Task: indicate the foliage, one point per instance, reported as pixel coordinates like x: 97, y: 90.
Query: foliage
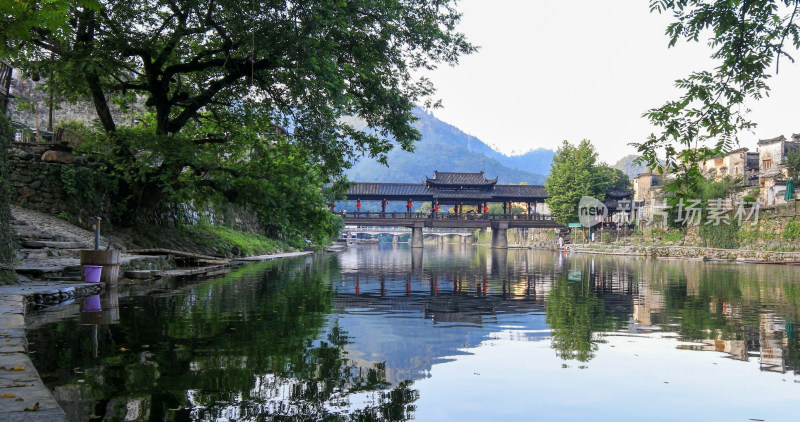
x: 752, y: 195
x: 575, y: 314
x: 87, y: 186
x: 747, y: 38
x: 259, y: 336
x: 630, y: 165
x: 680, y: 195
x: 670, y: 235
x: 307, y: 64
x: 617, y: 178
x: 270, y: 174
x: 246, y: 105
x: 575, y: 173
x: 792, y: 230
x: 6, y: 236
x: 246, y: 244
x: 722, y: 233
x: 793, y: 164
x: 25, y: 21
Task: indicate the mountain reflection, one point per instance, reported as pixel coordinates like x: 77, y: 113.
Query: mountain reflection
x: 350, y: 336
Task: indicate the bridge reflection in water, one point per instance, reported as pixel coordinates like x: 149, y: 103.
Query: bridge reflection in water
x: 321, y: 336
x: 450, y: 299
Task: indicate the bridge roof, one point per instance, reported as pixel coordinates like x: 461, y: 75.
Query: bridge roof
x: 519, y: 192
x: 441, y: 178
x: 394, y: 191
x: 419, y: 192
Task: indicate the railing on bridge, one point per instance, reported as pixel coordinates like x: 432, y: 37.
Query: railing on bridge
x: 351, y: 215
x: 405, y: 230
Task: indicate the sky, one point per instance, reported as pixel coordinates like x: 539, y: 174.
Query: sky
x: 548, y: 71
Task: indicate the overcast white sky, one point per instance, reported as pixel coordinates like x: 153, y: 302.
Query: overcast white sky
x: 554, y: 70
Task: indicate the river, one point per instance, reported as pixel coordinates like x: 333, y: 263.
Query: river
x: 447, y: 333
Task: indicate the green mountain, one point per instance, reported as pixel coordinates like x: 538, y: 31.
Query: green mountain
x: 446, y: 148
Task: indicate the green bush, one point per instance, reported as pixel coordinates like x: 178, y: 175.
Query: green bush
x: 792, y: 230
x: 722, y: 235
x: 88, y: 187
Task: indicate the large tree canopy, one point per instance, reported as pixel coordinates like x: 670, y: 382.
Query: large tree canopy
x: 251, y: 100
x: 748, y: 38
x: 310, y: 63
x: 575, y: 173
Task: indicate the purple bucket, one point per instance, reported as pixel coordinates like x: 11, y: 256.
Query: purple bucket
x: 91, y: 273
x: 92, y: 304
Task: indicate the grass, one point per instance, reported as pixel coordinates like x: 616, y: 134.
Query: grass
x: 205, y: 239
x: 246, y: 243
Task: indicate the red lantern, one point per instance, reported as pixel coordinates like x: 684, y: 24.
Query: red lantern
x: 436, y: 208
x: 486, y: 209
x: 410, y: 204
x: 510, y: 205
x: 358, y: 204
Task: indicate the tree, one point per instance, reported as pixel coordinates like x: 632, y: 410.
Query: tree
x: 575, y: 173
x: 242, y: 104
x: 617, y: 179
x: 747, y: 38
x: 793, y: 164
x: 308, y: 63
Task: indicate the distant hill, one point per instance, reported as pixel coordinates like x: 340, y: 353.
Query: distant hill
x: 444, y: 147
x: 627, y: 165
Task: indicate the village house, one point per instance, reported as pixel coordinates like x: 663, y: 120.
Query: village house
x: 646, y: 187
x: 739, y: 163
x: 773, y: 172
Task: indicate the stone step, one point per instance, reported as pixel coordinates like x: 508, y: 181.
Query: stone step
x: 39, y: 244
x: 77, y: 278
x: 47, y: 253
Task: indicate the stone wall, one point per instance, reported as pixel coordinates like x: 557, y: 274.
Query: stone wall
x: 6, y: 237
x: 545, y: 238
x: 49, y: 179
x: 30, y: 106
x: 228, y: 215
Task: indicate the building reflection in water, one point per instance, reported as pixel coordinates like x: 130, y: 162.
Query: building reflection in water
x: 304, y: 336
x: 577, y: 299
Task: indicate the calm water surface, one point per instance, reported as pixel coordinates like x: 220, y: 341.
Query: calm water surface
x: 445, y: 333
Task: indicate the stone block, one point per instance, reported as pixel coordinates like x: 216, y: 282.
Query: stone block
x: 58, y: 157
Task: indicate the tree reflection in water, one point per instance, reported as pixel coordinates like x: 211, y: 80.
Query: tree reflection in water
x: 192, y: 354
x: 338, y: 337
x: 576, y: 316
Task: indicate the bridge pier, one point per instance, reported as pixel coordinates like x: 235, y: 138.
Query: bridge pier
x: 416, y: 235
x: 500, y: 235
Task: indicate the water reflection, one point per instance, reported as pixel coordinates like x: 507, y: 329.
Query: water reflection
x: 362, y: 335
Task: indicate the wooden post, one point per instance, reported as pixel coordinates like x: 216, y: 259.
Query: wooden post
x: 108, y: 259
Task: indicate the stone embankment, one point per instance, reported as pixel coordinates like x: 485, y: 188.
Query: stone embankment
x: 690, y: 252
x: 23, y: 395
